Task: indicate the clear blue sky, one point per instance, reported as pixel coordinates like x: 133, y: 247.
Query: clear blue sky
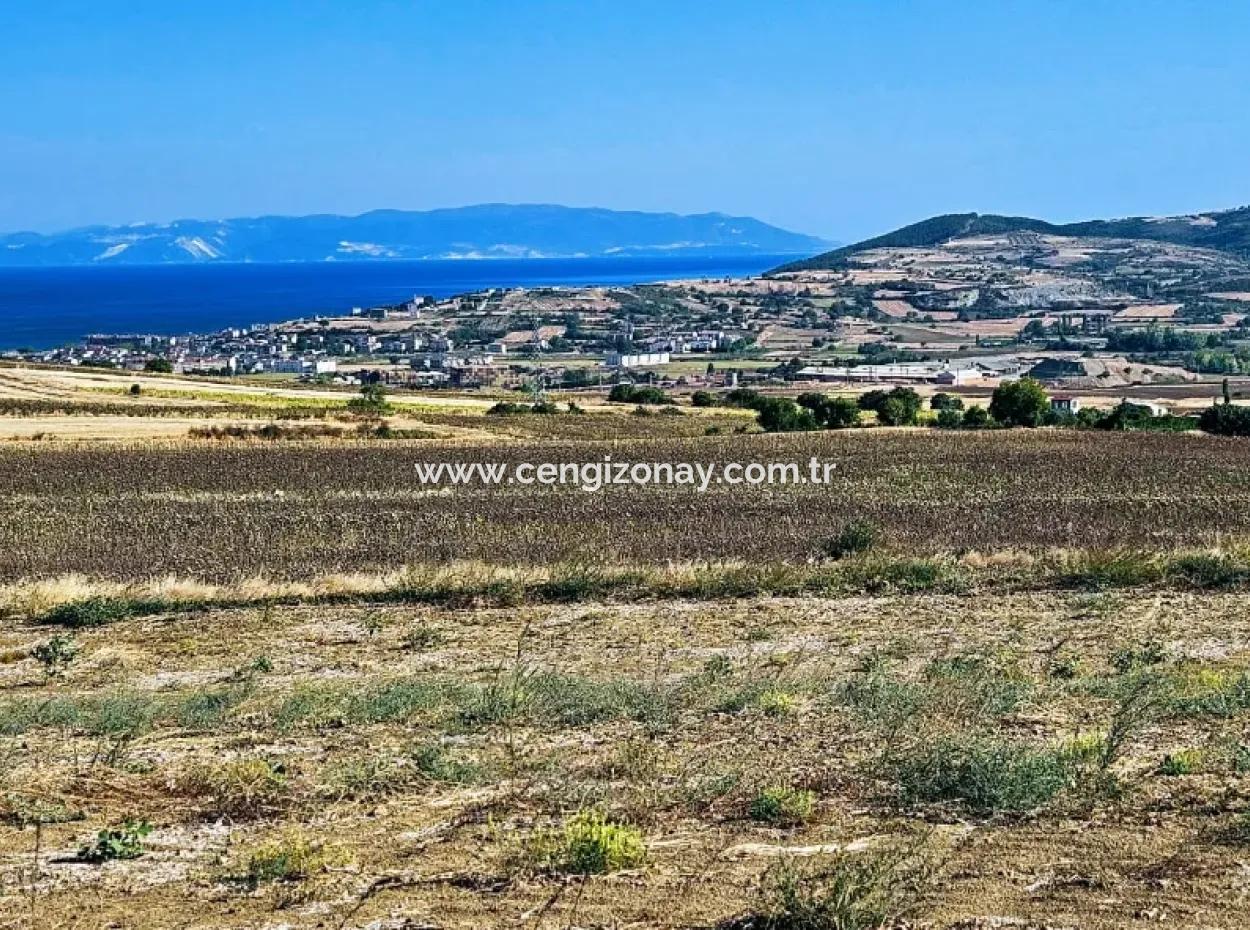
x: 836, y: 118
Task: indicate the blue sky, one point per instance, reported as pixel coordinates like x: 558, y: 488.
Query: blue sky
x: 837, y: 118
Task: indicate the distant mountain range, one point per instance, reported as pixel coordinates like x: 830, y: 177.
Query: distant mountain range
x: 1226, y: 230
x: 486, y: 231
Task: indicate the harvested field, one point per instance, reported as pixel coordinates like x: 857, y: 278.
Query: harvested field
x: 224, y: 510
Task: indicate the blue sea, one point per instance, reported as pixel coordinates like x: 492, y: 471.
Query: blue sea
x: 47, y: 307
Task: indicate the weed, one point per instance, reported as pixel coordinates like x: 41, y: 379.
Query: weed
x: 242, y: 788
x: 856, y: 537
x: 55, y: 655
x: 1182, y: 762
x: 782, y: 806
x: 123, y: 842
x: 588, y: 844
x: 423, y: 637
x: 983, y: 775
x: 291, y: 857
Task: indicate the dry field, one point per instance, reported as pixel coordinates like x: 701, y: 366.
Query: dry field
x: 222, y: 510
x: 1039, y: 759
x: 978, y: 680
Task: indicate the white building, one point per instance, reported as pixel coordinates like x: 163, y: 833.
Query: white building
x: 636, y: 360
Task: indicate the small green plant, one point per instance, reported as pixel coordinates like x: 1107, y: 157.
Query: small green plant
x: 1182, y: 762
x: 424, y: 637
x: 589, y: 844
x: 434, y: 762
x: 123, y: 842
x: 291, y: 857
x: 1142, y: 655
x: 55, y: 655
x: 776, y: 703
x: 853, y: 891
x: 241, y: 788
x: 856, y: 537
x: 782, y: 806
x: 372, y: 622
x: 985, y: 776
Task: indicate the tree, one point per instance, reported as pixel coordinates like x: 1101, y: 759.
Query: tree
x: 372, y: 401
x: 1020, y: 403
x: 159, y: 365
x: 949, y: 419
x: 830, y: 412
x: 782, y: 415
x: 976, y: 417
x: 703, y: 399
x: 897, y: 407
x: 941, y: 401
x: 1226, y: 420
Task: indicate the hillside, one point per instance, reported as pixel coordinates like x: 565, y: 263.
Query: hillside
x: 484, y: 231
x: 1227, y: 230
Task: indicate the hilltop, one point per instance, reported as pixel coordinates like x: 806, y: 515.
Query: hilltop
x: 483, y: 231
x: 1226, y: 230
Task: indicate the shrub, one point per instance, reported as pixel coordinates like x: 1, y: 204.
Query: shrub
x: 424, y: 636
x: 434, y: 763
x: 856, y: 537
x: 638, y: 394
x: 241, y: 788
x: 1225, y: 420
x: 703, y: 399
x: 89, y: 612
x: 942, y: 401
x: 505, y: 408
x: 291, y: 857
x: 830, y: 412
x: 1020, y: 403
x: 371, y: 402
x: 782, y: 806
x: 782, y: 415
x: 854, y: 891
x: 124, y: 842
x: 976, y: 417
x: 55, y: 655
x: 747, y: 398
x: 773, y: 702
x: 1182, y: 762
x: 589, y: 844
x: 983, y: 775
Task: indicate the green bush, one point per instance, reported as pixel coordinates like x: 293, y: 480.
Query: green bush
x: 703, y: 399
x: 124, y: 842
x: 853, y: 891
x: 856, y: 537
x: 782, y: 806
x: 90, y: 612
x: 589, y: 844
x: 55, y: 655
x: 1182, y: 762
x: 976, y: 417
x: 949, y: 419
x: 983, y: 775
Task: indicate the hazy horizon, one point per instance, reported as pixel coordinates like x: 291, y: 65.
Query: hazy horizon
x: 840, y: 121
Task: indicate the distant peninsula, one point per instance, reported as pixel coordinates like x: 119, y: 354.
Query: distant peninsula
x: 475, y: 232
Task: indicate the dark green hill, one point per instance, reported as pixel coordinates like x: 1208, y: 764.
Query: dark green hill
x: 1228, y: 231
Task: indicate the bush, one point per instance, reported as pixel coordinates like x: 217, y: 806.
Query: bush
x: 984, y: 776
x: 1183, y: 762
x: 1020, y: 403
x: 589, y: 844
x: 703, y: 399
x: 856, y: 537
x: 159, y: 365
x: 782, y: 806
x: 89, y: 612
x: 124, y: 842
x: 55, y: 655
x: 855, y: 891
x: 745, y: 398
x: 976, y: 417
x: 949, y: 419
x: 830, y: 412
x: 634, y: 394
x: 241, y: 788
x: 941, y: 401
x: 291, y: 857
x: 1225, y: 420
x: 505, y: 408
x: 782, y: 415
x: 897, y: 407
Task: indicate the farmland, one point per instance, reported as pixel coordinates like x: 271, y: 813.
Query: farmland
x: 974, y: 676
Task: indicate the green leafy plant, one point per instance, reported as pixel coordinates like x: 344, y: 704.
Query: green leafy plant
x: 782, y: 806
x: 55, y: 655
x: 123, y: 842
x: 589, y: 844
